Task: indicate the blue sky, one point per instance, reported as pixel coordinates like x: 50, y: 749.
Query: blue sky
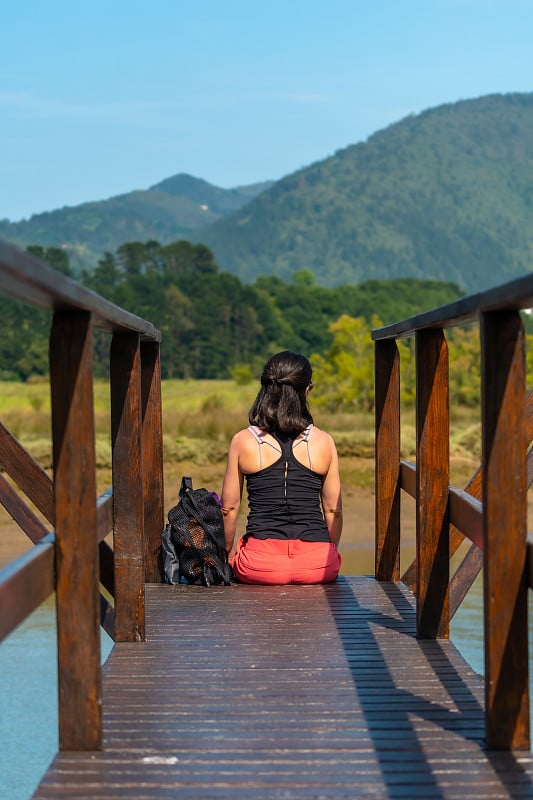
x: 99, y: 98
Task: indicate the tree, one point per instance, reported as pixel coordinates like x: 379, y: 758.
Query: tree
x: 345, y: 373
x: 55, y: 257
x: 303, y: 277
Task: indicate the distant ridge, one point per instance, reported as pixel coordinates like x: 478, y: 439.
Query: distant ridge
x: 446, y: 194
x: 219, y: 201
x: 172, y: 209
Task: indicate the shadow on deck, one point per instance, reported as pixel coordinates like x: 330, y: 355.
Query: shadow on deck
x: 289, y: 692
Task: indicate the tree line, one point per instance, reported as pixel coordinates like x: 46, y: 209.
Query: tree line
x: 215, y: 326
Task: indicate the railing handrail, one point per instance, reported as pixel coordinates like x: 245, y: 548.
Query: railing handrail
x: 493, y: 508
x: 74, y: 559
x: 513, y: 296
x: 24, y: 277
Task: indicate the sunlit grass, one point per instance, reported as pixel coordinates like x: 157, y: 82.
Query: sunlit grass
x: 200, y: 417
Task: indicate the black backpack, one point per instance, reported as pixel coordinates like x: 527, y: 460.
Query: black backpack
x: 193, y: 544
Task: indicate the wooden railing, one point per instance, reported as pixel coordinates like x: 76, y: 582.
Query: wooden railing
x: 74, y: 560
x: 491, y: 512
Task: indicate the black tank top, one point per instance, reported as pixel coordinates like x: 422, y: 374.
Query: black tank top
x: 284, y: 499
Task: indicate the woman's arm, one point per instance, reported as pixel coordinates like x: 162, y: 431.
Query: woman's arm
x: 232, y: 493
x: 332, y: 497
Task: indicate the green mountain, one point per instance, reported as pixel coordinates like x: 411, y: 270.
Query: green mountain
x: 445, y: 194
x: 170, y: 210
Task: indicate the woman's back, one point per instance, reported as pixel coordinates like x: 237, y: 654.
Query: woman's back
x: 284, y: 496
x: 315, y: 453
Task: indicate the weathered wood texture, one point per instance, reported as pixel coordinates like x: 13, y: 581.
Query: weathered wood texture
x: 152, y: 445
x: 432, y: 473
x: 387, y: 363
x: 77, y: 603
x: 20, y: 512
x: 466, y: 518
x: 513, y: 295
x: 24, y: 277
x: 29, y: 476
x: 465, y: 521
x: 289, y: 692
x: 128, y: 487
x: 25, y: 584
x: 504, y: 445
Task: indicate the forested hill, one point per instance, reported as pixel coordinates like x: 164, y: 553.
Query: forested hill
x: 445, y: 194
x: 169, y: 210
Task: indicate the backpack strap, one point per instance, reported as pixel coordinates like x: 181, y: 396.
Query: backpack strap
x: 186, y: 485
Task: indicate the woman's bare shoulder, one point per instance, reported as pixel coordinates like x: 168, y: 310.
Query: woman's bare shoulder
x: 244, y: 441
x: 322, y: 437
x: 241, y: 436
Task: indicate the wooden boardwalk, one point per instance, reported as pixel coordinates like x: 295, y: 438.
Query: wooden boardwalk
x: 289, y: 692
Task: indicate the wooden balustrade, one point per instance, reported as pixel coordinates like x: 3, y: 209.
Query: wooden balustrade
x: 491, y: 511
x: 74, y: 560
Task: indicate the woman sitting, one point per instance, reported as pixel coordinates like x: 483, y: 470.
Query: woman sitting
x: 292, y: 476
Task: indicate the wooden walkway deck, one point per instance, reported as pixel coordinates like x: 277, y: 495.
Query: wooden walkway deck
x: 289, y: 692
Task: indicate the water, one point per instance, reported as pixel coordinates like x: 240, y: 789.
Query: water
x: 28, y: 702
x: 28, y: 693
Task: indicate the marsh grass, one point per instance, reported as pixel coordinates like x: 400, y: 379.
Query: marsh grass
x: 200, y: 417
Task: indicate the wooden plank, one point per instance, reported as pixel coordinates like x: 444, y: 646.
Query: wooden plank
x: 26, y: 278
x: 514, y: 295
x: 464, y: 577
x: 25, y: 584
x: 408, y: 478
x: 29, y: 476
x: 297, y: 692
x: 460, y: 312
x: 22, y: 515
x: 128, y: 492
x: 504, y: 445
x: 387, y: 482
x: 466, y: 574
x: 152, y: 449
x: 432, y: 459
x: 473, y: 488
x: 466, y: 515
x: 466, y: 519
x: 77, y: 603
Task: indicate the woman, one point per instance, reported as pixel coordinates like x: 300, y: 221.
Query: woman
x: 292, y: 476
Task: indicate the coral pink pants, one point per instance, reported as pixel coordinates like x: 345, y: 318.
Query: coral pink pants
x: 281, y: 561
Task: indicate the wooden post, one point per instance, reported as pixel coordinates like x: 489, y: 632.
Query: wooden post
x: 77, y: 600
x: 152, y: 444
x: 504, y: 446
x: 432, y: 462
x: 387, y: 371
x: 128, y: 492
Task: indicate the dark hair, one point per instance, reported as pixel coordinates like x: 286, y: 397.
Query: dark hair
x: 281, y: 404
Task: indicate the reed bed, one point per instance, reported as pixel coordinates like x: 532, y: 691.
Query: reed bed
x: 200, y: 417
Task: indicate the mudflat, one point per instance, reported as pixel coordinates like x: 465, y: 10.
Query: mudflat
x: 358, y: 504
x: 357, y: 542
